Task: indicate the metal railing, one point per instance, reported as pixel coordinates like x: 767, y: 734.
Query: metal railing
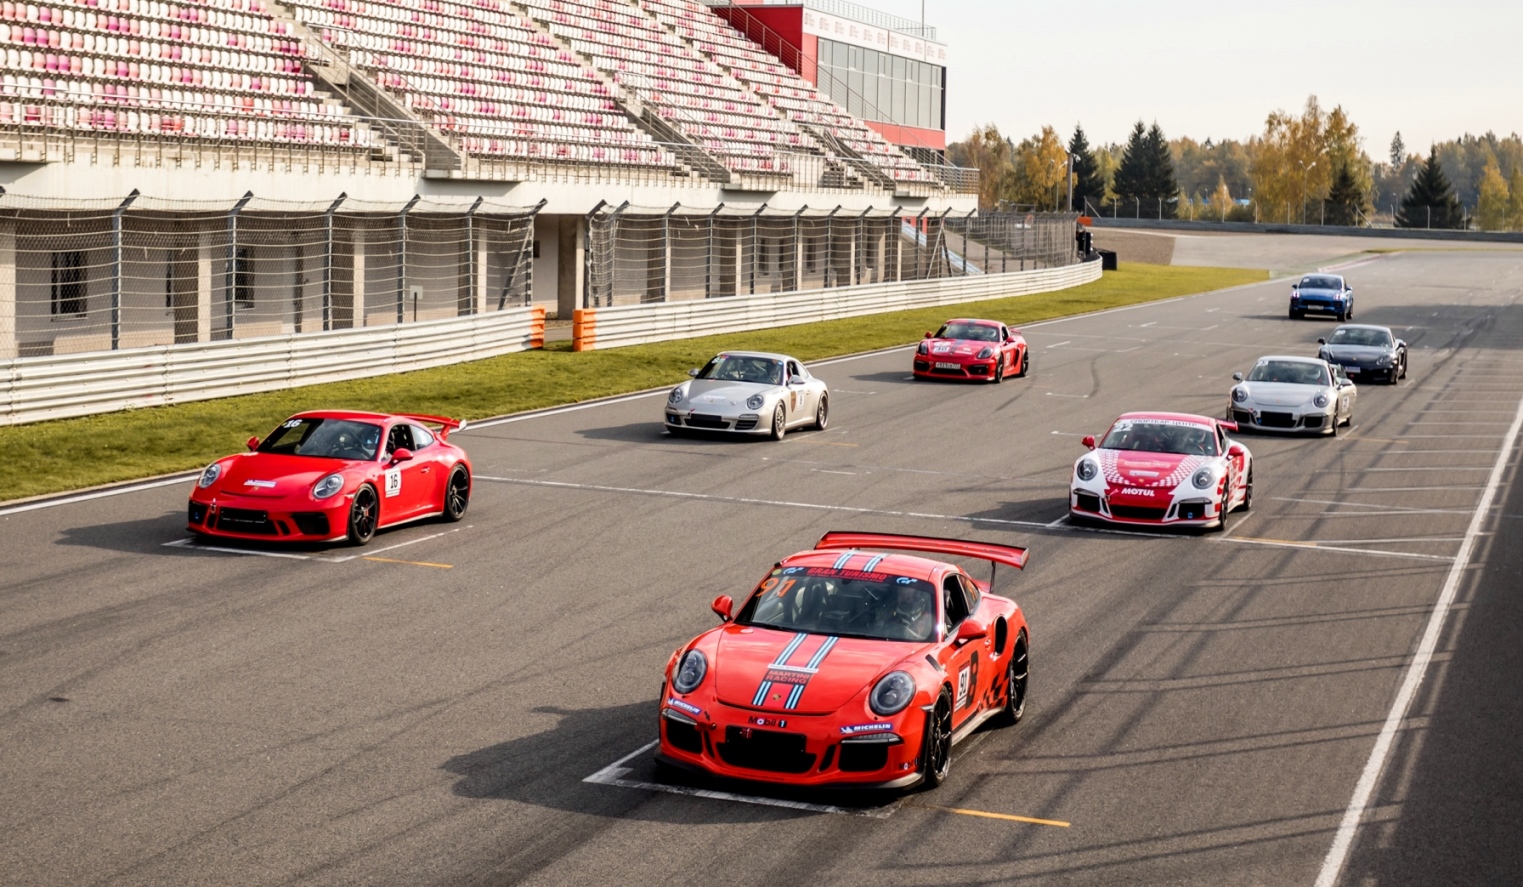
x: 853, y: 11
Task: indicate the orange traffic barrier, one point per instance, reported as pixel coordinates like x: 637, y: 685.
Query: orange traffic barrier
x: 537, y: 328
x: 584, y: 329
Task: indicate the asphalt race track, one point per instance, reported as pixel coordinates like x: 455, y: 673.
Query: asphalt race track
x: 428, y: 710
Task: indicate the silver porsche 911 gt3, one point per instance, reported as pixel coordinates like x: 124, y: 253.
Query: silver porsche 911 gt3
x: 749, y: 392
x: 1283, y: 393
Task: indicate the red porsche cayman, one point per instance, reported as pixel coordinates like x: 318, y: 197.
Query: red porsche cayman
x: 849, y: 667
x: 985, y: 350
x: 334, y: 474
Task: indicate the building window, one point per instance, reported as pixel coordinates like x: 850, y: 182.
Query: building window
x: 243, y: 279
x: 68, y: 293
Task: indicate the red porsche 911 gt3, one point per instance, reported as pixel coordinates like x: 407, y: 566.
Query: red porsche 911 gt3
x: 849, y: 667
x: 985, y: 350
x: 334, y: 474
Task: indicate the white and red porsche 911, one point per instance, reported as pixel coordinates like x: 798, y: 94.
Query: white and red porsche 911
x: 1163, y: 469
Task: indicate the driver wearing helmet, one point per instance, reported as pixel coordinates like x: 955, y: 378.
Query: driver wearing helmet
x: 910, y: 618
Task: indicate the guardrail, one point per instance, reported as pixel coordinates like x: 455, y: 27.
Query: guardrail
x: 621, y: 325
x: 37, y: 388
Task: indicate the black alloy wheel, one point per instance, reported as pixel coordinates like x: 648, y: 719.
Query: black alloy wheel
x: 1296, y: 315
x: 1403, y: 364
x: 1015, y: 689
x: 936, y: 747
x: 457, y: 494
x: 999, y: 370
x: 1337, y: 420
x: 1025, y: 363
x: 1247, y: 491
x: 364, y: 514
x: 1222, y: 510
x: 779, y: 423
x: 822, y: 413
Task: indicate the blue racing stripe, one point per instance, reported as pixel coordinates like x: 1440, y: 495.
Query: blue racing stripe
x: 844, y: 559
x: 814, y: 663
x: 782, y: 659
x: 873, y: 563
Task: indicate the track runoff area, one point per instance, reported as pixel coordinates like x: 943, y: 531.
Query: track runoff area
x: 1321, y: 695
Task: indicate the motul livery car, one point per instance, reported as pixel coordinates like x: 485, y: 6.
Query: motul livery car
x: 749, y: 392
x: 850, y: 667
x: 985, y: 350
x: 1163, y: 469
x: 331, y: 475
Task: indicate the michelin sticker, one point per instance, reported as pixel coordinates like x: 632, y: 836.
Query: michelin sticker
x: 854, y: 729
x: 393, y: 482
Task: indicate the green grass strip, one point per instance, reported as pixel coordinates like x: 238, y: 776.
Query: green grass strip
x: 71, y: 454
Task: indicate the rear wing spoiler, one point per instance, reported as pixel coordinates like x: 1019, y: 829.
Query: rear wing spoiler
x: 1230, y: 426
x: 446, y: 425
x: 987, y: 551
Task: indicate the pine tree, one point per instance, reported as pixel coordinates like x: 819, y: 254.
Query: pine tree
x: 1162, y: 186
x: 1430, y: 202
x: 1344, y: 198
x: 1131, y: 181
x: 1398, y: 151
x: 1088, y: 183
x: 1491, y: 208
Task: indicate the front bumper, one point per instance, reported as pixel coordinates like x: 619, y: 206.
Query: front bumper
x: 742, y: 423
x: 1319, y: 305
x: 267, y: 519
x: 787, y: 748
x: 929, y: 368
x: 1289, y: 420
x: 1192, y: 511
x: 1371, y: 369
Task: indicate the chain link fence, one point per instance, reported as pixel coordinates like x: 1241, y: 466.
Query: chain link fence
x: 643, y: 255
x: 119, y: 273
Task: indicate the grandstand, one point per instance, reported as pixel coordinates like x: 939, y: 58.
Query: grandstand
x: 355, y: 126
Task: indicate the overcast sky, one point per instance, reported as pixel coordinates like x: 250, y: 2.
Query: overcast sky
x: 1434, y: 70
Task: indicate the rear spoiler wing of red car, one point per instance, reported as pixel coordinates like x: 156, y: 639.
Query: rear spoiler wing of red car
x: 446, y: 425
x: 986, y: 551
x: 1230, y: 426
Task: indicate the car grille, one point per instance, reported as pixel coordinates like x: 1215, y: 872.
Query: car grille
x: 978, y: 370
x: 765, y: 750
x: 197, y: 513
x: 1192, y: 510
x: 699, y: 420
x: 1277, y: 420
x: 311, y: 523
x: 1242, y: 417
x: 1311, y: 421
x: 1088, y: 502
x: 1138, y: 512
x: 922, y: 365
x: 746, y: 424
x: 243, y: 520
x: 683, y: 736
x: 944, y: 371
x: 863, y: 757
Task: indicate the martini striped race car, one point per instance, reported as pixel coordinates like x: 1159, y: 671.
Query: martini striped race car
x: 849, y: 666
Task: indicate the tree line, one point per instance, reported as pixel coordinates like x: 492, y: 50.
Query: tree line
x: 1308, y: 166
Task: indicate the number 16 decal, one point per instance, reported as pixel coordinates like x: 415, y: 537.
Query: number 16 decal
x: 393, y: 481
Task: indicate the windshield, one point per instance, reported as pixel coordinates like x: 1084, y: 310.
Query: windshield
x: 729, y: 368
x: 1158, y: 436
x: 975, y: 332
x: 1354, y: 336
x: 844, y: 602
x: 324, y: 439
x: 1321, y: 283
x: 1289, y: 372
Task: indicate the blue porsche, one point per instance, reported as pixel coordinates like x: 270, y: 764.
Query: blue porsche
x: 1322, y: 294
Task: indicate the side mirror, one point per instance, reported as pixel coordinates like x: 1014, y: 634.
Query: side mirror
x: 796, y: 380
x: 1088, y: 441
x: 723, y: 606
x: 1236, y: 449
x: 971, y: 630
x: 1237, y: 377
x: 928, y: 334
x: 693, y: 372
x: 401, y: 454
x: 1321, y: 341
x: 252, y: 443
x: 1345, y: 383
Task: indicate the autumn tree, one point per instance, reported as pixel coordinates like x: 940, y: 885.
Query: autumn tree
x: 1430, y: 202
x: 1492, y: 204
x: 1290, y: 165
x: 991, y: 154
x: 1221, y: 200
x: 1041, y: 170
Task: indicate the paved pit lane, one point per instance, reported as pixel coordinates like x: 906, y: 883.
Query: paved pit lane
x: 1217, y: 709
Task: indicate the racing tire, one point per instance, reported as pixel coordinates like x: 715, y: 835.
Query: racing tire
x: 457, y: 494
x: 1403, y: 366
x: 1222, y: 510
x: 999, y: 371
x: 822, y: 413
x: 1247, y: 492
x: 1017, y: 676
x: 364, y: 515
x: 779, y: 423
x: 1025, y: 364
x: 1296, y: 315
x: 1342, y: 316
x: 936, y: 746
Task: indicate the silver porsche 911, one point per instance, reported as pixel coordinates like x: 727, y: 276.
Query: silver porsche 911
x: 749, y: 392
x: 1284, y: 393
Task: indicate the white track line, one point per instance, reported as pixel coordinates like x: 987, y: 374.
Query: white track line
x: 101, y: 494
x: 1314, y: 546
x: 1343, y: 840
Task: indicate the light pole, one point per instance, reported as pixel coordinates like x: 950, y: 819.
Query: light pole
x: 1071, y: 158
x: 1304, y: 170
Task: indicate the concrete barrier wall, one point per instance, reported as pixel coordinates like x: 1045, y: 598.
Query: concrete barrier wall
x: 37, y: 388
x: 637, y: 324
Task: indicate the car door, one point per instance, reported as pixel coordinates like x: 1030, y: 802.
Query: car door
x: 403, y: 484
x: 1007, y: 348
x: 799, y: 394
x: 1346, y: 390
x: 432, y: 471
x: 966, y: 664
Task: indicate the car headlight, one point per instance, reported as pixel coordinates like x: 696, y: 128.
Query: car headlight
x: 755, y: 401
x: 328, y: 486
x: 677, y: 395
x: 210, y: 475
x: 1386, y: 359
x: 986, y: 353
x: 690, y: 672
x: 1086, y: 469
x: 1239, y: 395
x: 1203, y: 479
x: 892, y: 693
x: 1320, y: 401
x: 922, y: 349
